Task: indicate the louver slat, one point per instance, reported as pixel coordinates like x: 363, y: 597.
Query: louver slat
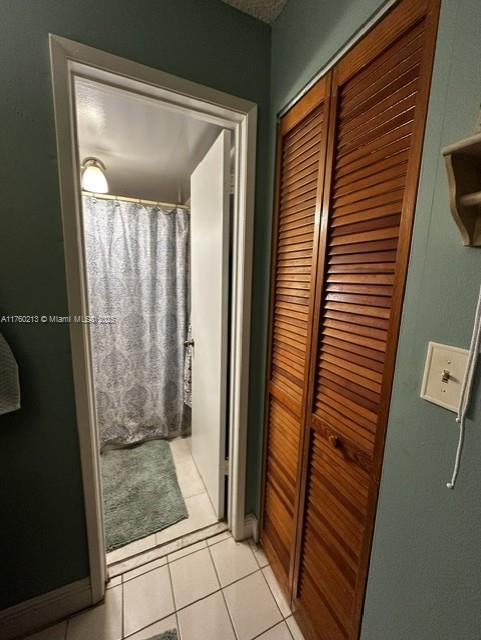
x: 336, y: 500
x: 364, y: 235
x: 300, y: 150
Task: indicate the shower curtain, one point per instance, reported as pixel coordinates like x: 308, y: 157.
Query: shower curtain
x: 137, y: 262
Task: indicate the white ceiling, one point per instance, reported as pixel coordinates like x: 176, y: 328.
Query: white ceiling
x: 149, y: 151
x: 265, y: 10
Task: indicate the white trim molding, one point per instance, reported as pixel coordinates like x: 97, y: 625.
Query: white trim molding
x: 251, y: 527
x: 44, y: 610
x: 69, y: 60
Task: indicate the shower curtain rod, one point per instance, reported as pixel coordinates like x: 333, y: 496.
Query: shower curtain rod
x: 154, y: 203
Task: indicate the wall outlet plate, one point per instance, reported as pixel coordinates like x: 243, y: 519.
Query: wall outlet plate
x: 443, y: 375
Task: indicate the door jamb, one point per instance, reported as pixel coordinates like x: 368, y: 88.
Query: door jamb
x: 70, y: 59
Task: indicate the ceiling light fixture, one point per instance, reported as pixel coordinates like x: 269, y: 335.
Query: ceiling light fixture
x: 93, y: 176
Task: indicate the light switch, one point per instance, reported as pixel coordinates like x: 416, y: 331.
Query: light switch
x: 443, y: 375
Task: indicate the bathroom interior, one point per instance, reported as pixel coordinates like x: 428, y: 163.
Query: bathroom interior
x: 137, y: 160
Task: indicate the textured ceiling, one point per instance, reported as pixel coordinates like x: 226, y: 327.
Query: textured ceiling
x: 265, y: 10
x: 149, y: 152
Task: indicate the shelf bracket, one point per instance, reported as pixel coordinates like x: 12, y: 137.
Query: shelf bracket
x: 463, y: 165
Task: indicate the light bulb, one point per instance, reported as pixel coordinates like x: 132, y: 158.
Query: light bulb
x: 93, y: 177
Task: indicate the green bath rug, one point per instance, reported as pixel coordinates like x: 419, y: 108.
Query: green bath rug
x: 141, y: 493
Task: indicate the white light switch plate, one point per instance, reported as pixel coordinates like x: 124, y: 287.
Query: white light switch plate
x: 443, y: 358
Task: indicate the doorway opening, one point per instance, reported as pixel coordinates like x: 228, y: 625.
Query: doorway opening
x: 157, y: 178
x: 157, y: 247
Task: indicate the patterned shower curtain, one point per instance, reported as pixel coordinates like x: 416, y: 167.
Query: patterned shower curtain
x: 137, y: 260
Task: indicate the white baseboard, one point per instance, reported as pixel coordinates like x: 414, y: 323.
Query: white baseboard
x: 42, y: 611
x: 251, y: 527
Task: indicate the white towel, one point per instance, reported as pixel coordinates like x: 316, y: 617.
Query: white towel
x: 9, y: 383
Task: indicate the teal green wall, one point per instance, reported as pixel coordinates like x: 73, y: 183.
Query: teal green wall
x: 307, y: 34
x: 425, y: 571
x: 42, y: 532
x: 424, y: 579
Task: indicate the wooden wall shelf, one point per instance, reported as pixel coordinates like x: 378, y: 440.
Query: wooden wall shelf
x: 463, y: 164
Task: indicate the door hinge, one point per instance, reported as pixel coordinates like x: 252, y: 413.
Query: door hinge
x: 226, y: 466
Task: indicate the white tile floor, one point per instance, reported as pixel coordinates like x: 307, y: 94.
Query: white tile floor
x: 201, y: 513
x: 213, y: 590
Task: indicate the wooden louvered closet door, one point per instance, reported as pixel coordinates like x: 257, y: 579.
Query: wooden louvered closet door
x: 301, y: 150
x: 378, y: 110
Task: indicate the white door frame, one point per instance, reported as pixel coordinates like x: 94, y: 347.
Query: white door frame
x: 70, y: 59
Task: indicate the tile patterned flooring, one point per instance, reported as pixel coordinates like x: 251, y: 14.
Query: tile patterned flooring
x: 201, y: 513
x: 212, y: 589
x: 215, y: 589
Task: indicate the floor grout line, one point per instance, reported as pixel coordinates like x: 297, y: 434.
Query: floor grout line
x: 171, y: 582
x: 175, y: 612
x: 247, y: 575
x: 207, y: 595
x: 219, y: 541
x: 125, y: 580
x: 191, y: 553
x: 254, y: 545
x: 277, y: 624
x: 147, y: 626
x: 173, y: 600
x: 250, y: 546
x: 223, y: 594
x: 192, y: 495
x: 221, y: 588
x: 274, y: 595
x: 123, y: 608
x: 177, y: 625
x: 283, y: 619
x: 167, y: 561
x: 164, y: 544
x: 288, y: 627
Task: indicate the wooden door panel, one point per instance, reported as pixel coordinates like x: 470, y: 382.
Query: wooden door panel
x: 376, y: 128
x: 300, y: 171
x: 357, y: 398
x: 336, y: 501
